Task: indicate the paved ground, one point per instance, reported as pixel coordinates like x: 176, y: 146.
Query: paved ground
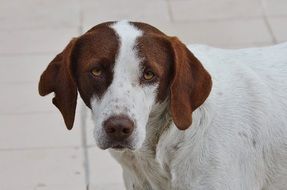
x: 36, y: 151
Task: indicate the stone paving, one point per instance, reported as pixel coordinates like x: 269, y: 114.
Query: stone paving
x: 36, y: 150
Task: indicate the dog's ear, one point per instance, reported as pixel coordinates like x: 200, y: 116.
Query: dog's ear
x: 58, y: 78
x: 190, y: 86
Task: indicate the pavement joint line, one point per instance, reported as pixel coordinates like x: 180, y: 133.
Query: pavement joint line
x: 83, y: 118
x: 206, y: 20
x: 31, y: 53
x: 81, y: 20
x: 267, y: 23
x: 17, y: 82
x: 169, y: 10
x: 83, y: 126
x: 27, y: 113
x: 39, y: 148
x: 269, y: 28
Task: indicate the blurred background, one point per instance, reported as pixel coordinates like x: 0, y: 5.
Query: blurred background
x: 36, y: 150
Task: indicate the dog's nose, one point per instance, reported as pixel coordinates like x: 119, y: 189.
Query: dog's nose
x: 119, y: 127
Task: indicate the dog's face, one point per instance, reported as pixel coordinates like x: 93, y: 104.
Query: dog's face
x: 122, y: 70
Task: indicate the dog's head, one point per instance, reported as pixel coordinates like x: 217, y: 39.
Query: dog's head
x: 122, y: 70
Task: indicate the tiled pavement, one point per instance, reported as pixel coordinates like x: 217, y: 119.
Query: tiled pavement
x: 36, y: 151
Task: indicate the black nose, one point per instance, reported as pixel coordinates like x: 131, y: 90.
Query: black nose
x: 119, y: 127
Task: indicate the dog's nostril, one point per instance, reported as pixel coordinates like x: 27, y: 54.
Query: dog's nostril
x: 126, y: 130
x: 118, y: 127
x: 110, y: 130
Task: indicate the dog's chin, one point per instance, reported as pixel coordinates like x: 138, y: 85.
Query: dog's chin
x: 118, y: 146
x: 122, y: 148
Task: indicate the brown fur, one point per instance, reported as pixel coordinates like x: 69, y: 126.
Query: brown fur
x: 58, y: 78
x: 190, y: 86
x: 71, y: 68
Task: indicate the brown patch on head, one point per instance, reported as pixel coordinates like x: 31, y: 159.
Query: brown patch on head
x: 148, y: 29
x: 154, y: 48
x: 156, y: 55
x: 71, y: 68
x: 96, y: 49
x: 180, y: 73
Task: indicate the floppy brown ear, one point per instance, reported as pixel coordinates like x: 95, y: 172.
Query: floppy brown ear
x: 58, y: 78
x: 190, y: 86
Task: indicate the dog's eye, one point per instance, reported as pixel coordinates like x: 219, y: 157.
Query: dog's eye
x: 148, y: 75
x: 97, y: 72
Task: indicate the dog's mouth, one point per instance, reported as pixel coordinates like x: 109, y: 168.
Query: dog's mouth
x: 113, y: 144
x: 121, y: 146
x: 118, y: 147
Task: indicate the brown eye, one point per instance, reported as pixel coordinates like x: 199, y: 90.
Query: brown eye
x: 148, y: 75
x: 97, y: 72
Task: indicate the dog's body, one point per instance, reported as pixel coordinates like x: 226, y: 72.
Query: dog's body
x: 238, y: 136
x: 238, y: 139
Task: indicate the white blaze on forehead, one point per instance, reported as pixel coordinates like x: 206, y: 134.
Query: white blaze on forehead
x: 127, y: 59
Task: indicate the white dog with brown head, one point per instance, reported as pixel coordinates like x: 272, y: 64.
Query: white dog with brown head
x: 165, y: 119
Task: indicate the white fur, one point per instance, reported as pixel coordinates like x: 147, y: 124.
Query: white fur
x: 238, y: 139
x: 125, y: 95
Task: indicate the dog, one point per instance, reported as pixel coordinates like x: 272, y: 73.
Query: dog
x: 178, y: 117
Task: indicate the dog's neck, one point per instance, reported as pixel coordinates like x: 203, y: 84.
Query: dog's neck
x: 159, y: 121
x: 159, y: 125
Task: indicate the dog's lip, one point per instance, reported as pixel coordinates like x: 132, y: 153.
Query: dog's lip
x: 118, y: 146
